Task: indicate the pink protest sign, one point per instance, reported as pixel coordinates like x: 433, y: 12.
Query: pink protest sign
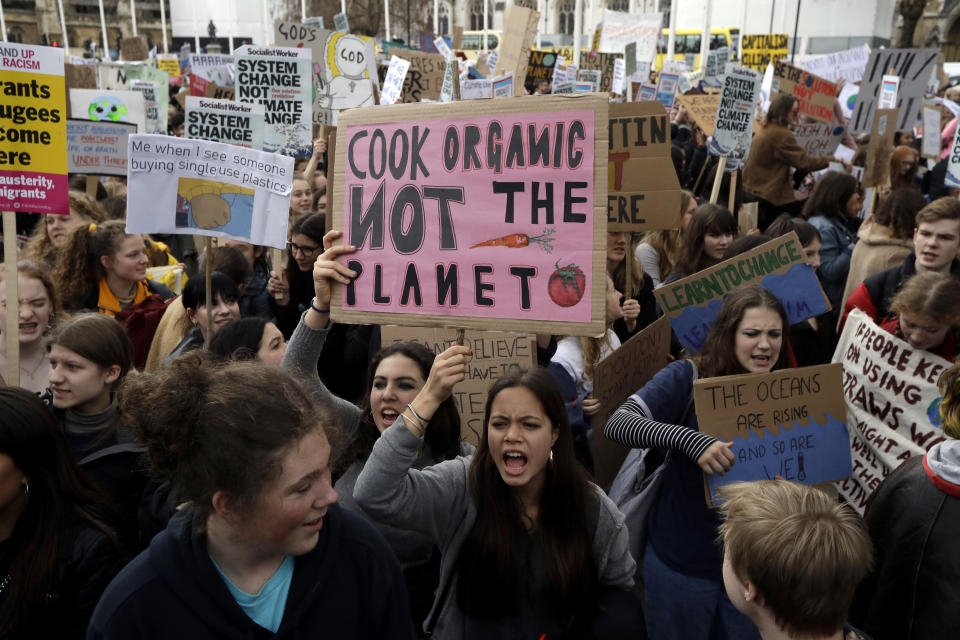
x: 33, y: 130
x: 487, y: 218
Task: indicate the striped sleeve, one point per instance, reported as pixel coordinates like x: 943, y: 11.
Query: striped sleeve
x: 631, y: 427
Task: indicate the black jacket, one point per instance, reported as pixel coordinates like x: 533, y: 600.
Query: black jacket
x: 348, y: 587
x: 913, y: 592
x: 648, y: 311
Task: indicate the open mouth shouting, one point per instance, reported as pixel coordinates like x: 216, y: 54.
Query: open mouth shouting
x: 514, y: 463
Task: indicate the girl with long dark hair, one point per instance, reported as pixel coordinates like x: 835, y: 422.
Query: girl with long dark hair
x: 707, y: 237
x: 749, y: 335
x: 57, y: 550
x: 530, y: 548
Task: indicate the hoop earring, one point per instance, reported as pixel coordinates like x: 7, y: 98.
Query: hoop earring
x: 26, y: 489
x: 551, y: 458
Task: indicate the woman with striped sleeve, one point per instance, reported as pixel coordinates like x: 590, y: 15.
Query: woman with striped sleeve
x: 682, y: 561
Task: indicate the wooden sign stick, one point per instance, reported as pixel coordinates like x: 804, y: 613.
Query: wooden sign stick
x: 718, y: 179
x: 13, y: 298
x: 628, y: 285
x: 92, y: 182
x: 208, y: 271
x: 733, y: 191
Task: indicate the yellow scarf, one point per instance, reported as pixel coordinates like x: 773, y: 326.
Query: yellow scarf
x: 109, y: 303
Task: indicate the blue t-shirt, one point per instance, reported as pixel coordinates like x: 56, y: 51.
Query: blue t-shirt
x: 266, y: 607
x: 682, y: 529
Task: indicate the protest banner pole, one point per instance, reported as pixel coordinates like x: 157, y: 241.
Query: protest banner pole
x: 343, y: 7
x: 718, y: 179
x: 733, y: 191
x: 672, y: 38
x: 103, y: 29
x: 628, y: 285
x: 485, y: 10
x: 163, y: 27
x: 577, y: 28
x: 207, y: 274
x: 436, y: 17
x: 63, y: 28
x: 3, y: 25
x: 705, y: 38
x: 196, y: 28
x: 133, y: 15
x: 542, y: 18
x: 796, y: 27
x: 386, y: 18
x: 13, y: 298
x: 92, y: 182
x: 303, y: 9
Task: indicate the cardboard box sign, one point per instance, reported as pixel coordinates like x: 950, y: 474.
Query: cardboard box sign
x: 476, y: 224
x: 78, y: 76
x: 615, y: 379
x: 520, y: 30
x: 913, y: 67
x: 424, y: 78
x: 815, y: 94
x: 218, y: 92
x: 790, y: 423
x: 134, y: 48
x: 760, y: 50
x: 495, y: 354
x: 693, y: 302
x: 880, y: 147
x: 604, y: 63
x: 644, y: 192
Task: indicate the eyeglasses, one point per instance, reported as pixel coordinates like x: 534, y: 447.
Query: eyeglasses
x: 306, y: 251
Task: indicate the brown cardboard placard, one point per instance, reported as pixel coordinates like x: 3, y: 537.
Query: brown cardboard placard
x: 644, y: 192
x: 134, y: 48
x: 691, y: 303
x: 815, y: 94
x: 747, y: 216
x: 219, y: 92
x: 616, y: 378
x: 602, y: 62
x: 495, y: 354
x: 583, y: 277
x: 457, y: 40
x: 790, y: 423
x: 880, y: 147
x: 424, y: 78
x: 520, y: 29
x: 703, y: 110
x: 78, y: 76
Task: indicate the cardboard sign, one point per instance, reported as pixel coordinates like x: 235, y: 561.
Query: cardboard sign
x: 109, y: 106
x: 503, y: 86
x: 476, y: 89
x: 591, y: 76
x: 814, y: 94
x: 479, y: 225
x: 224, y: 121
x: 33, y: 153
x: 702, y: 109
x: 540, y: 66
x: 643, y: 190
x: 630, y: 58
x: 313, y: 37
x: 209, y: 67
x: 818, y: 138
x: 889, y: 87
x: 615, y: 379
x: 620, y: 29
x: 893, y: 404
x: 847, y: 65
x: 519, y: 32
x: 151, y: 109
x: 457, y: 41
x: 603, y: 64
x: 349, y: 75
x: 733, y: 126
x: 195, y: 187
x: 121, y: 77
x: 761, y: 50
x: 424, y: 76
x: 667, y: 88
x: 78, y: 77
x: 693, y: 302
x: 217, y: 92
x: 716, y: 65
x: 647, y: 92
x: 495, y: 354
x: 279, y: 78
x: 880, y: 147
x: 913, y: 67
x: 98, y: 148
x: 134, y: 48
x: 789, y: 423
x: 170, y: 63
x: 340, y: 22
x: 930, y: 147
x: 619, y: 83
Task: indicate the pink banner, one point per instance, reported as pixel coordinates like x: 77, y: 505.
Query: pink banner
x: 480, y: 217
x: 34, y: 192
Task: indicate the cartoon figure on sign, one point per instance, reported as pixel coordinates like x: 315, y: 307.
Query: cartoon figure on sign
x: 108, y: 108
x: 348, y: 80
x: 211, y: 205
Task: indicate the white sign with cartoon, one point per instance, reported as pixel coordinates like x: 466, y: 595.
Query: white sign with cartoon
x: 206, y: 188
x: 109, y: 106
x: 348, y: 81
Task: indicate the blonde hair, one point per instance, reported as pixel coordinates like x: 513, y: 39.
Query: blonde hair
x: 804, y: 551
x: 40, y: 249
x: 932, y: 295
x: 593, y: 347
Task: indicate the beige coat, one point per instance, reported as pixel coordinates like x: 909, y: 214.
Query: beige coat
x: 875, y: 251
x: 168, y: 336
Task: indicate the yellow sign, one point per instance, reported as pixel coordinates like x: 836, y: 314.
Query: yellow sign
x: 760, y: 50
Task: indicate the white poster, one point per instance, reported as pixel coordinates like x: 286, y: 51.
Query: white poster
x: 207, y: 188
x: 733, y: 128
x: 224, y: 121
x: 279, y: 78
x: 479, y: 88
x: 212, y: 67
x: 819, y: 138
x: 393, y: 81
x: 503, y: 86
x: 109, y: 106
x: 619, y: 77
x: 913, y: 67
x: 931, y: 131
x: 848, y: 65
x: 98, y: 148
x: 892, y: 403
x: 619, y: 29
x: 151, y: 109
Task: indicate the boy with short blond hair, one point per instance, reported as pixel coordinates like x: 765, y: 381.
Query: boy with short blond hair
x: 792, y: 559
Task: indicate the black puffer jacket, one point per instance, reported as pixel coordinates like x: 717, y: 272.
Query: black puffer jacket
x: 913, y: 592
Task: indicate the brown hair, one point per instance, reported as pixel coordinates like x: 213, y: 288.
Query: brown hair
x: 488, y: 566
x: 708, y: 218
x: 949, y: 385
x: 945, y: 208
x: 804, y: 552
x: 930, y: 294
x: 718, y: 357
x: 779, y: 110
x: 98, y: 338
x: 668, y: 242
x: 830, y: 196
x: 30, y: 269
x: 899, y: 155
x: 39, y: 248
x: 619, y: 274
x: 898, y: 212
x: 219, y: 435
x: 78, y: 266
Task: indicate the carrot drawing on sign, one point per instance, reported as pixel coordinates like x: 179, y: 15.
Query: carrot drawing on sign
x: 520, y: 240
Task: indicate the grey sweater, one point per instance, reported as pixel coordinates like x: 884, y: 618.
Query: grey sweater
x: 436, y: 502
